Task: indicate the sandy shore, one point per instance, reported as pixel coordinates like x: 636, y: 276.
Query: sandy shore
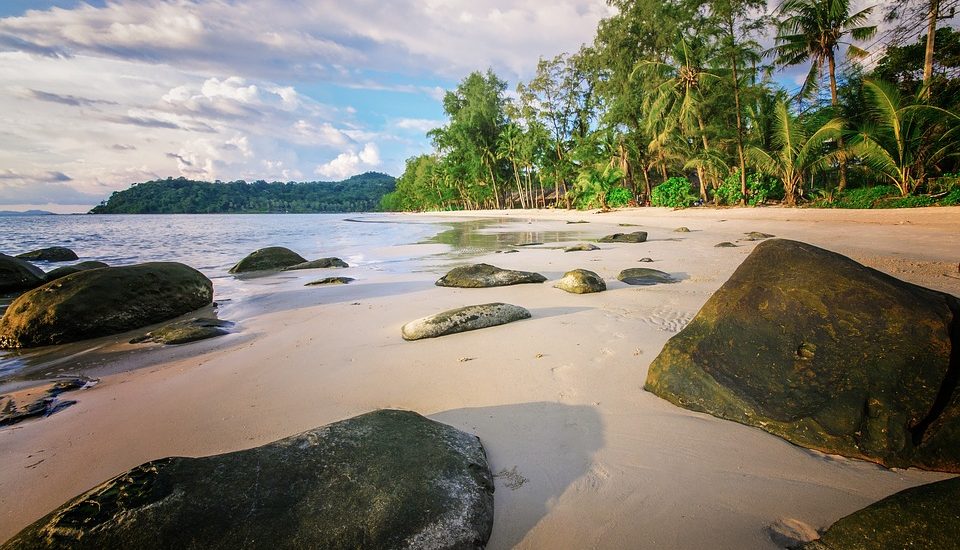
x: 586, y: 458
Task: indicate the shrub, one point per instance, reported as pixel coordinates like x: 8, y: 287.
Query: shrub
x: 759, y: 188
x: 619, y: 196
x: 675, y: 193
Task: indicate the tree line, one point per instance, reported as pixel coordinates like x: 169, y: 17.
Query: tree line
x: 676, y: 103
x: 183, y: 196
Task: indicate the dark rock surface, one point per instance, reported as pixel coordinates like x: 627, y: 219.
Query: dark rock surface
x: 643, y: 276
x: 17, y: 275
x: 330, y: 281
x: 635, y: 237
x: 65, y: 270
x: 581, y: 281
x: 462, y: 320
x: 52, y: 254
x: 322, y: 263
x: 386, y: 479
x: 273, y: 258
x: 186, y: 331
x: 921, y: 517
x: 725, y: 244
x: 826, y: 353
x: 103, y: 301
x: 39, y: 401
x: 757, y: 236
x: 486, y: 275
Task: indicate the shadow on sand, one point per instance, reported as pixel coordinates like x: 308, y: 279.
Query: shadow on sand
x: 536, y: 451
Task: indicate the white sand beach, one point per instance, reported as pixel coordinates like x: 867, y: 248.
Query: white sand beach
x: 585, y: 457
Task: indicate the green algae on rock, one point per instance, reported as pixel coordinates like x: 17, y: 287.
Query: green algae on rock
x: 273, y: 258
x: 330, y: 281
x: 104, y: 301
x: 386, y: 479
x: 17, y: 275
x: 581, y: 281
x: 186, y: 331
x: 486, y: 275
x: 463, y: 319
x: 51, y: 254
x: 322, y: 263
x: 65, y: 270
x: 920, y: 517
x: 828, y: 354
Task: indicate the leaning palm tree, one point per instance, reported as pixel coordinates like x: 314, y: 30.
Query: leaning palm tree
x: 813, y: 30
x: 794, y: 153
x: 906, y: 138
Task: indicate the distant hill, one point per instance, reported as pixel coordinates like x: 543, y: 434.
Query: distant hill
x: 360, y: 193
x: 25, y: 213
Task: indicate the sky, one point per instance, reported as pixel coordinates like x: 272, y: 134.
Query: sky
x: 98, y: 94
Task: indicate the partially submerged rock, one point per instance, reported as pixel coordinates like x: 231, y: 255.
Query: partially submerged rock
x: 581, y: 281
x: 273, y: 258
x: 486, y: 275
x: 386, y: 479
x: 322, y: 263
x: 39, y: 401
x: 65, y: 270
x: 582, y: 247
x: 643, y: 276
x: 463, y: 319
x: 17, y: 275
x: 51, y: 254
x: 635, y: 237
x: 186, y: 331
x: 103, y: 301
x: 920, y: 517
x: 330, y: 281
x: 826, y: 353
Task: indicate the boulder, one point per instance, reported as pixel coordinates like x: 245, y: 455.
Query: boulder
x: 682, y: 229
x: 643, y: 276
x: 635, y: 237
x: 103, y: 301
x: 463, y: 319
x: 17, y: 275
x: 273, y: 258
x: 322, y: 263
x: 582, y: 247
x: 186, y: 331
x: 65, y: 270
x: 486, y: 275
x: 725, y: 244
x: 581, y: 281
x: 645, y: 260
x: 330, y: 281
x: 386, y: 479
x: 52, y: 254
x: 831, y: 355
x: 757, y: 236
x: 920, y: 517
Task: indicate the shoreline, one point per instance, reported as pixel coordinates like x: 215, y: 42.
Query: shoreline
x: 557, y: 400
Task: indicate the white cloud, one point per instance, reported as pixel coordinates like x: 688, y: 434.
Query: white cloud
x: 420, y: 125
x: 350, y: 163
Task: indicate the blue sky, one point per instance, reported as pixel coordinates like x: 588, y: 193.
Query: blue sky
x: 99, y: 94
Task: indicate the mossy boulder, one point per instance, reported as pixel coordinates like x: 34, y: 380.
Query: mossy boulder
x: 322, y: 263
x: 463, y: 319
x: 826, y: 353
x: 386, y: 479
x: 643, y: 276
x: 51, y: 254
x: 17, y: 275
x: 186, y: 331
x: 486, y: 275
x: 103, y: 301
x: 65, y: 270
x: 272, y: 258
x: 581, y: 281
x: 921, y: 517
x: 635, y: 237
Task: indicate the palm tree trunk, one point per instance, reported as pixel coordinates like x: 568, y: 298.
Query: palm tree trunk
x: 736, y: 102
x: 516, y: 174
x: 836, y: 102
x: 496, y: 192
x: 928, y: 55
x: 706, y: 149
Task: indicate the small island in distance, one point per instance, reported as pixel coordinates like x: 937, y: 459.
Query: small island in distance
x: 7, y: 213
x: 183, y: 196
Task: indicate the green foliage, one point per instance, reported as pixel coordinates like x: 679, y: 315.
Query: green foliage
x: 359, y: 193
x: 759, y: 188
x: 618, y: 197
x: 593, y: 184
x: 863, y: 197
x: 675, y: 193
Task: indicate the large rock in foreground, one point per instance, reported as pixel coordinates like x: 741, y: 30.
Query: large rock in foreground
x: 51, y: 254
x: 826, y: 353
x: 17, y: 274
x: 386, y: 479
x: 463, y: 319
x: 486, y: 275
x: 921, y: 517
x: 103, y: 301
x: 272, y: 258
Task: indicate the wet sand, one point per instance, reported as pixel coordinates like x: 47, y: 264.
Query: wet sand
x: 585, y: 458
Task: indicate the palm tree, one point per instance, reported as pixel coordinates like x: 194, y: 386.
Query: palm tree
x: 813, y: 30
x: 907, y: 137
x: 795, y: 153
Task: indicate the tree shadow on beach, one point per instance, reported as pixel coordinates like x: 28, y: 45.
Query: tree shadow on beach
x: 536, y: 451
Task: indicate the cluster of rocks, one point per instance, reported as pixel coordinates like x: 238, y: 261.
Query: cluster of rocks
x: 278, y: 258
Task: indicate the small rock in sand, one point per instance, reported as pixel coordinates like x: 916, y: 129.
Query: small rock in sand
x: 583, y: 247
x: 725, y: 244
x: 322, y: 263
x: 330, y: 281
x: 581, y: 281
x: 681, y: 230
x: 463, y: 319
x: 643, y: 276
x: 635, y: 237
x: 486, y: 275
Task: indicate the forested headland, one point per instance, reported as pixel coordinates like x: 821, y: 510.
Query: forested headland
x: 676, y: 103
x: 361, y: 193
